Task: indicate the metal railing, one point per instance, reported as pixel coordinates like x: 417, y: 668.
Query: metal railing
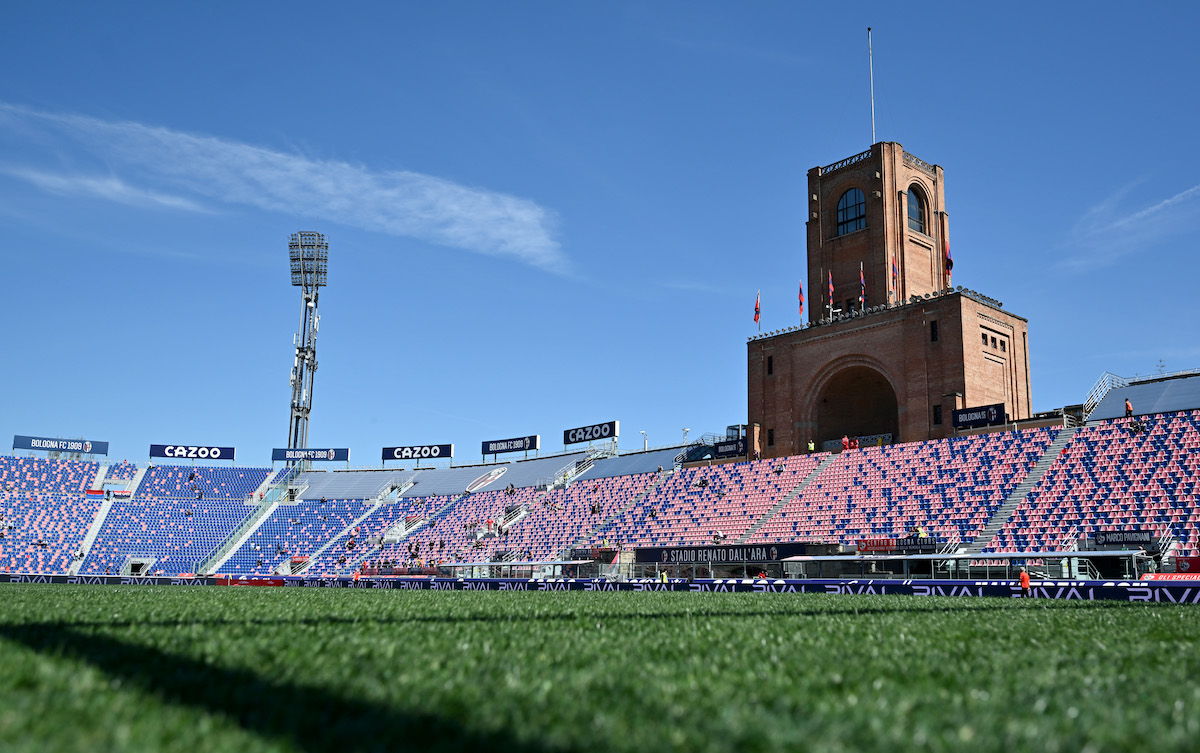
x: 253, y: 516
x: 577, y: 467
x: 913, y: 161
x: 1106, y: 382
x: 847, y: 162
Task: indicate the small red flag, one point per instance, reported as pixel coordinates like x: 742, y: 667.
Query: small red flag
x: 757, y: 309
x: 802, y: 298
x: 949, y: 261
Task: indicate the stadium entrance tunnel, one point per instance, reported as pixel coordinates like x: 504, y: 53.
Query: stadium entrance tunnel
x: 857, y: 401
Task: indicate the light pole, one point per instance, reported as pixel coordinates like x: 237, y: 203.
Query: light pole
x: 309, y: 256
x: 645, y: 441
x: 685, y: 431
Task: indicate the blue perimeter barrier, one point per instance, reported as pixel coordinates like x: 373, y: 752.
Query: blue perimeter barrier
x: 1163, y: 592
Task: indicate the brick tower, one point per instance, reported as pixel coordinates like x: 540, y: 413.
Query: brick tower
x: 895, y: 349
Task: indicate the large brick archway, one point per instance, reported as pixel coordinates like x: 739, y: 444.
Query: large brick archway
x: 855, y: 397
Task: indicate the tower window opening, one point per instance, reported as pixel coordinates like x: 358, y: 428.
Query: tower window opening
x: 851, y: 212
x: 933, y: 331
x: 916, y: 212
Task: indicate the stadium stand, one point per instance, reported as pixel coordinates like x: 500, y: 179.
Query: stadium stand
x: 950, y: 487
x: 338, y: 557
x: 293, y: 531
x: 694, y: 504
x: 177, y: 517
x: 566, y: 518
x: 1111, y: 474
x: 123, y: 471
x: 462, y: 531
x: 46, y: 512
x: 1112, y: 478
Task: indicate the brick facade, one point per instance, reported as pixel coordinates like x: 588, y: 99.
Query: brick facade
x: 917, y: 351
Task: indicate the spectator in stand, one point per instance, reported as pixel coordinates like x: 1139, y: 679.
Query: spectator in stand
x: 812, y: 446
x: 845, y: 442
x: 1128, y: 408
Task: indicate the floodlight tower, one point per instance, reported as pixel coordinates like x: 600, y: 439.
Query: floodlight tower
x: 309, y: 255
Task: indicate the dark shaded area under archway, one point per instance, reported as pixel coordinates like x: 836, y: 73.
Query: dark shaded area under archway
x: 858, y: 401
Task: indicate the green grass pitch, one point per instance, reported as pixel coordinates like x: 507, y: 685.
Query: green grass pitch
x: 248, y: 669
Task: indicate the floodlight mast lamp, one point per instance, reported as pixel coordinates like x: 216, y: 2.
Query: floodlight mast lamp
x: 309, y: 256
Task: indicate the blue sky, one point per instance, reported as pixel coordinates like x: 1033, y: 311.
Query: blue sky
x: 545, y: 215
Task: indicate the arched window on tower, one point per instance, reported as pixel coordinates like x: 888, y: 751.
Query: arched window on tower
x: 916, y: 211
x: 851, y: 212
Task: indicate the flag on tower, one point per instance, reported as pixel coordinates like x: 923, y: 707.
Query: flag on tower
x: 802, y: 299
x: 949, y: 261
x: 895, y: 276
x: 830, y: 287
x: 862, y: 288
x: 757, y: 309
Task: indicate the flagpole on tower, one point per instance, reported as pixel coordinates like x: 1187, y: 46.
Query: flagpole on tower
x: 862, y: 289
x: 871, y: 65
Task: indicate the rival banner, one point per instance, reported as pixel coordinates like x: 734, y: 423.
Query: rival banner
x: 191, y: 451
x: 517, y: 444
x: 51, y: 444
x: 419, y: 452
x: 593, y: 433
x: 984, y: 415
x: 326, y: 453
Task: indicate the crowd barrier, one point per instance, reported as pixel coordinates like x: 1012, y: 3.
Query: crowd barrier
x: 1169, y: 592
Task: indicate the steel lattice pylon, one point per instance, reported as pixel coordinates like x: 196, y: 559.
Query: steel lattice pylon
x: 309, y: 254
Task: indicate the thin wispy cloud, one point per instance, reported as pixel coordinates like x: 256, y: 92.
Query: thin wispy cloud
x: 1113, y: 229
x: 152, y: 166
x: 107, y: 188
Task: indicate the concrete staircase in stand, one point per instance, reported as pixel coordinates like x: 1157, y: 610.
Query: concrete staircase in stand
x: 1005, y: 511
x: 800, y: 487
